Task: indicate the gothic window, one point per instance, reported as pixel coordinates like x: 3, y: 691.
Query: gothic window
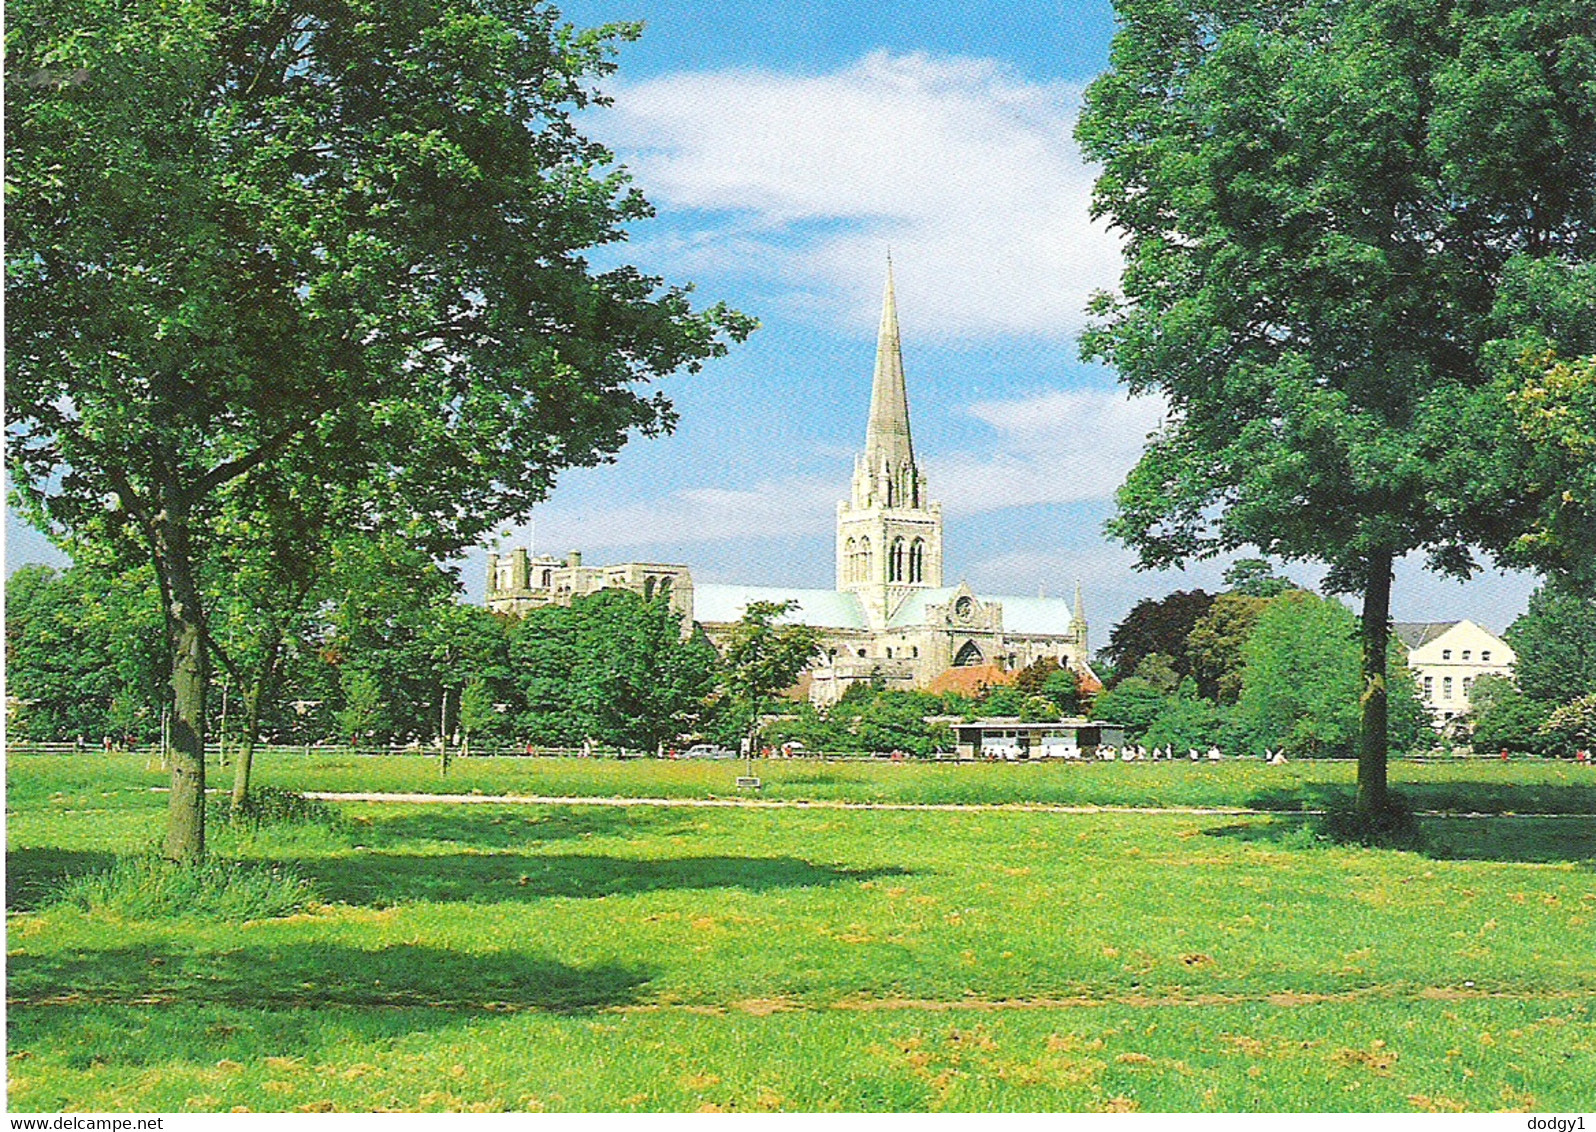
x: 664, y: 587
x: 968, y: 655
x: 895, y: 567
x: 917, y: 561
x: 548, y: 576
x: 648, y: 589
x: 850, y: 561
x: 866, y: 561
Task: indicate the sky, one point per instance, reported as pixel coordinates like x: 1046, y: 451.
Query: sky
x: 788, y: 147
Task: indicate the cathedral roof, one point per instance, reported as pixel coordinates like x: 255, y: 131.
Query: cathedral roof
x: 1043, y: 615
x: 715, y: 603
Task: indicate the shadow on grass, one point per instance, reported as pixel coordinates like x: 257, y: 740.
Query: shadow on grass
x: 309, y: 975
x: 382, y: 879
x: 1452, y: 797
x: 493, y: 828
x: 33, y: 874
x: 1538, y: 840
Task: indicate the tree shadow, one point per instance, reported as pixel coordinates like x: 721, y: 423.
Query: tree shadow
x: 381, y: 879
x: 510, y: 827
x: 1452, y: 797
x: 1507, y: 838
x: 311, y: 975
x: 35, y: 872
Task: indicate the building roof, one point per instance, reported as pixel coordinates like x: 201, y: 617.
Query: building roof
x: 1035, y: 614
x: 1028, y: 615
x: 969, y: 680
x: 715, y: 603
x: 1416, y: 633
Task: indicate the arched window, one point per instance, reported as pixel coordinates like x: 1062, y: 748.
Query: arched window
x: 896, y: 570
x: 968, y: 655
x: 867, y: 563
x: 917, y: 561
x: 648, y: 589
x: 850, y: 561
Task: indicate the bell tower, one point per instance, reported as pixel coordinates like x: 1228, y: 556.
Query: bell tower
x: 889, y: 535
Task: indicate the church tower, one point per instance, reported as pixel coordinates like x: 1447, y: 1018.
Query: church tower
x: 889, y: 536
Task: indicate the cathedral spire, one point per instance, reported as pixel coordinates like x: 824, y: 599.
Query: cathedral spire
x: 887, y: 437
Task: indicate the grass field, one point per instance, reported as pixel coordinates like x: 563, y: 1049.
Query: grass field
x: 548, y: 957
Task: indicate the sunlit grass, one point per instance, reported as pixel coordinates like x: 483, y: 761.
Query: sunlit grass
x: 528, y: 957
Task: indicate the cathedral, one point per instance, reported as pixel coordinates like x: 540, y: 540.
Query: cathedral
x: 890, y: 619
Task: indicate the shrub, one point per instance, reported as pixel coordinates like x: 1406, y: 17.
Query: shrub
x: 148, y: 888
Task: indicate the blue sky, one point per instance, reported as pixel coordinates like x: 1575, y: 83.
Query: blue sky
x: 787, y: 146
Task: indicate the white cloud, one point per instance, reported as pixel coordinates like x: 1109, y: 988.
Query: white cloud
x: 701, y: 514
x: 1060, y: 446
x: 965, y: 169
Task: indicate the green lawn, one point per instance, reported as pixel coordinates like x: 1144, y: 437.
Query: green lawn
x: 537, y: 957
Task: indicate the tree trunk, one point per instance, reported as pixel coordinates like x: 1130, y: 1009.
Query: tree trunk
x: 1374, y: 742
x: 185, y: 821
x: 252, y: 701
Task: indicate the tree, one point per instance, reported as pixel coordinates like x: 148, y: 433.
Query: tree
x: 612, y: 667
x: 1134, y: 703
x: 1571, y: 726
x: 761, y: 657
x: 1555, y: 643
x: 1157, y: 626
x: 1301, y: 682
x: 348, y: 235
x: 1046, y: 678
x: 84, y: 652
x: 1320, y: 202
x: 1253, y: 577
x: 1215, y: 645
x: 1504, y: 718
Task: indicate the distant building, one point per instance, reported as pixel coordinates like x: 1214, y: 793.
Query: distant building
x: 890, y: 619
x: 1446, y: 657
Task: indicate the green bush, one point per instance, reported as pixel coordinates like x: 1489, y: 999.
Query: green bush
x: 148, y: 888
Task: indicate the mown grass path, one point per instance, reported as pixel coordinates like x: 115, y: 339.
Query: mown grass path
x: 526, y: 955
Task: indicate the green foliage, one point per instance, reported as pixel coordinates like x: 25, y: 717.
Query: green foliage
x: 1320, y: 205
x: 1215, y: 645
x: 1555, y: 642
x: 1053, y: 683
x: 1000, y: 700
x: 761, y: 656
x: 142, y: 889
x: 363, y: 705
x: 614, y: 668
x: 85, y: 653
x: 1186, y: 722
x: 1254, y: 577
x: 1134, y: 703
x: 1504, y: 718
x: 1302, y: 680
x: 1572, y: 726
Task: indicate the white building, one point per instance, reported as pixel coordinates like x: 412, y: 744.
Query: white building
x: 1446, y: 657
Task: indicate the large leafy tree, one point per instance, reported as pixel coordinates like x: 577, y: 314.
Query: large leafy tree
x: 1320, y: 201
x: 1555, y: 642
x: 1301, y: 682
x: 85, y: 655
x: 1157, y: 626
x: 613, y: 667
x: 348, y: 234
